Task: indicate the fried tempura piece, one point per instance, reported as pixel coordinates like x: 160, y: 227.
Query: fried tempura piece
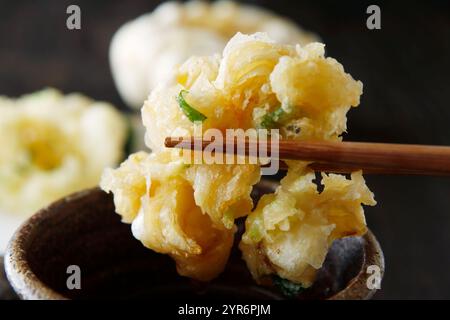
x: 291, y: 231
x: 52, y: 145
x: 256, y: 83
x: 155, y: 193
x: 223, y: 191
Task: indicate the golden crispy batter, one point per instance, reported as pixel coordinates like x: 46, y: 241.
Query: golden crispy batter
x: 256, y: 83
x: 155, y: 193
x: 289, y: 233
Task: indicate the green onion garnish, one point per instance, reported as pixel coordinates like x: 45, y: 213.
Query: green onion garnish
x: 192, y: 114
x: 288, y: 288
x: 271, y: 119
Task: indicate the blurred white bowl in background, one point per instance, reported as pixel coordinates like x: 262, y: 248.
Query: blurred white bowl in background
x: 144, y: 51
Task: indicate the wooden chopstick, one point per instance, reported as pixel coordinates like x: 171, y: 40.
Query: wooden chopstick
x: 344, y: 157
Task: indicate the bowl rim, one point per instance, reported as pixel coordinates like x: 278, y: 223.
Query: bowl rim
x: 357, y: 288
x: 18, y: 271
x: 28, y: 286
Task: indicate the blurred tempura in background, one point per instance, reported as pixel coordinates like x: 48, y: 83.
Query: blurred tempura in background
x: 52, y: 145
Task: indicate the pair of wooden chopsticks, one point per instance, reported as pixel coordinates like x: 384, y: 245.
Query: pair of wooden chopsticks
x: 346, y: 157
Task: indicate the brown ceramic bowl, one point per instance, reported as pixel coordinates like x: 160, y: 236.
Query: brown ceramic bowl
x: 84, y: 230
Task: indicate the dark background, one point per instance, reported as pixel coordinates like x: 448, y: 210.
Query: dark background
x: 404, y: 67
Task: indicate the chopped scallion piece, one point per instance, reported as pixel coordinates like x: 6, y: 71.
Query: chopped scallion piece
x: 192, y: 114
x: 288, y: 288
x: 271, y: 119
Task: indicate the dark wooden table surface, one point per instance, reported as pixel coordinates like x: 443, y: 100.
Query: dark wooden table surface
x: 405, y: 68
